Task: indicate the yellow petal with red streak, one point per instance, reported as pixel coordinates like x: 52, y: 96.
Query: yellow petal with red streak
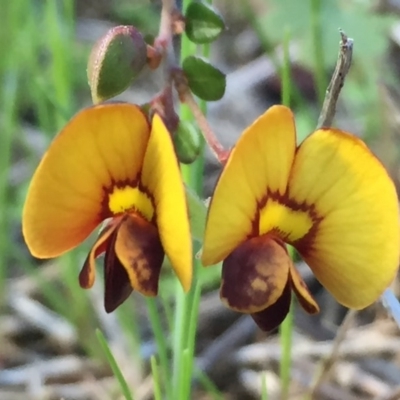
x: 161, y: 176
x: 353, y: 247
x: 258, y: 165
x: 99, y: 146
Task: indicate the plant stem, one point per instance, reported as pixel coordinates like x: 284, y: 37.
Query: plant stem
x: 337, y: 81
x: 286, y: 328
x: 319, y: 64
x: 161, y: 341
x: 114, y: 366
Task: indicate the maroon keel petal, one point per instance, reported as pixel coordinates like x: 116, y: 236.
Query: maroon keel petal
x: 138, y: 247
x: 117, y: 287
x: 255, y: 275
x: 273, y: 316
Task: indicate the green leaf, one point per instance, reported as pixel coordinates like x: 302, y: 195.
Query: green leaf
x: 205, y: 81
x: 116, y: 59
x: 197, y: 214
x: 203, y: 23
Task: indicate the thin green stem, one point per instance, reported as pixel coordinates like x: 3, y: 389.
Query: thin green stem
x: 178, y: 339
x: 193, y: 317
x: 286, y: 332
x: 319, y: 64
x: 114, y: 366
x: 287, y: 325
x: 162, y: 347
x: 264, y: 389
x: 187, y: 306
x: 156, y: 378
x: 285, y: 71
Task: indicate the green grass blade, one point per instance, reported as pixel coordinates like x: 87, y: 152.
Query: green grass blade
x: 114, y: 366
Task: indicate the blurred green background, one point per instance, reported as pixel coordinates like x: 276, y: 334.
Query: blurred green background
x: 45, y: 317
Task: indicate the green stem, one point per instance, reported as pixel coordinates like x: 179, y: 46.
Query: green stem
x: 319, y: 64
x: 187, y: 306
x: 156, y: 378
x: 162, y: 347
x: 285, y: 332
x: 286, y: 328
x: 114, y: 366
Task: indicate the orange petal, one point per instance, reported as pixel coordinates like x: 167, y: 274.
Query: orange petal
x: 88, y: 272
x: 66, y: 200
x: 353, y: 246
x: 258, y: 166
x: 254, y: 275
x: 162, y: 178
x: 139, y: 250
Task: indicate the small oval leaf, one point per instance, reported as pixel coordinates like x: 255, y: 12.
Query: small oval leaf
x: 204, y: 80
x: 203, y: 23
x: 116, y: 59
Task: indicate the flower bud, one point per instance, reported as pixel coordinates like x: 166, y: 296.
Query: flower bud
x: 116, y: 59
x: 187, y: 142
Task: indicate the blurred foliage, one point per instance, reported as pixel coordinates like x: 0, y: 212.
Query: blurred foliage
x: 43, y: 83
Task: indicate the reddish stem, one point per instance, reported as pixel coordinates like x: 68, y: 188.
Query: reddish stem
x: 172, y: 20
x: 186, y: 96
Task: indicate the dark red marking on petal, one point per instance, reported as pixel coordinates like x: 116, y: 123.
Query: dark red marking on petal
x: 303, y: 245
x: 133, y: 183
x: 117, y: 287
x: 271, y: 317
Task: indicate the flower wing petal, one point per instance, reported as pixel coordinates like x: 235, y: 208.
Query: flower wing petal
x: 303, y: 295
x: 353, y: 249
x: 161, y: 176
x: 88, y: 271
x: 259, y: 164
x: 99, y: 146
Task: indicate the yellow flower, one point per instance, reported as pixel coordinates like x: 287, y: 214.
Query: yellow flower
x: 330, y: 198
x: 110, y: 164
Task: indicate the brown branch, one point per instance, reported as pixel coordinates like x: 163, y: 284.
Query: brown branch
x: 186, y: 96
x: 335, y: 86
x: 171, y: 20
x: 328, y: 363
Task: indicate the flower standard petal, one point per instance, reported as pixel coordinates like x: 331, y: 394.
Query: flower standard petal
x: 138, y: 248
x: 161, y: 177
x: 353, y: 246
x: 259, y: 165
x: 66, y: 199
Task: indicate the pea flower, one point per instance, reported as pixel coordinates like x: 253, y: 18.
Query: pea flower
x: 330, y: 198
x: 110, y: 165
